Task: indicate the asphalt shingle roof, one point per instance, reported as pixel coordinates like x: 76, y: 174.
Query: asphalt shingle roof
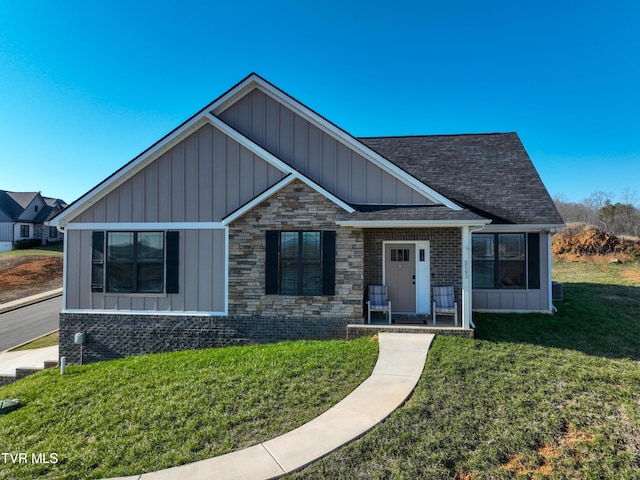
x: 433, y: 213
x: 489, y: 174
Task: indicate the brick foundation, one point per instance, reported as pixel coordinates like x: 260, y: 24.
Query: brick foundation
x: 111, y: 336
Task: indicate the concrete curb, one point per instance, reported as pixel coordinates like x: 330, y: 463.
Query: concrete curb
x: 24, y: 302
x: 29, y: 341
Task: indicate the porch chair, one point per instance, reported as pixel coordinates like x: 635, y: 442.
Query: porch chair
x: 378, y: 301
x: 444, y: 302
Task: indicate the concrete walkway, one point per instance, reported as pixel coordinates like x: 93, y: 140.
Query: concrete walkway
x: 397, y: 371
x: 32, y: 359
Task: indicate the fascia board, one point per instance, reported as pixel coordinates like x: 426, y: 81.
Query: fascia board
x: 127, y: 171
x: 520, y: 227
x: 254, y: 81
x: 410, y: 223
x: 146, y: 226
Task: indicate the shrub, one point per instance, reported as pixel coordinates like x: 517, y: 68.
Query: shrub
x: 27, y: 243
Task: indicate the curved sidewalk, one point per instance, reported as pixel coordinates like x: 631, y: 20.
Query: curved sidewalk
x: 400, y: 363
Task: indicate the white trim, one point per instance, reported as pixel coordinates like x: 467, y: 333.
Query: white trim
x: 410, y: 223
x: 180, y: 133
x: 248, y: 144
x: 423, y: 278
x: 325, y: 193
x: 258, y: 200
x: 145, y: 312
x: 254, y: 81
x: 65, y: 270
x: 494, y: 227
x: 146, y: 226
x: 226, y: 270
x: 549, y: 271
x: 273, y: 160
x: 497, y: 310
x: 128, y: 170
x: 466, y: 275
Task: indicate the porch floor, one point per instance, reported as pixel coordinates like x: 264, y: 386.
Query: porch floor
x: 403, y: 323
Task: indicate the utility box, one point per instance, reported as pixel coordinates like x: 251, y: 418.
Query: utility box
x: 78, y: 339
x: 556, y: 291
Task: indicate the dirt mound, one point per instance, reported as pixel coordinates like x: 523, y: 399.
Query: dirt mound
x: 586, y: 242
x: 21, y: 276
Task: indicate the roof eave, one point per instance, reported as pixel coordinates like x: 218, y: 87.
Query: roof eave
x: 524, y: 227
x: 412, y: 223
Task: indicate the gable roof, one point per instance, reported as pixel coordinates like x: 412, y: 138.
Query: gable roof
x: 13, y: 205
x: 10, y: 210
x: 255, y: 81
x: 488, y: 176
x: 209, y: 115
x: 491, y: 175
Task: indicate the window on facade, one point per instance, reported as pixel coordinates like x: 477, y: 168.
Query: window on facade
x: 499, y: 260
x: 400, y: 255
x: 135, y: 262
x: 300, y: 263
x: 24, y: 231
x: 53, y: 232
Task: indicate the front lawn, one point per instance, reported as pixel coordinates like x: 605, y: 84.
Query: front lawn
x: 146, y: 413
x: 534, y: 396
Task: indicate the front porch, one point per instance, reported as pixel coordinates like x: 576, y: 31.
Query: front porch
x: 410, y: 262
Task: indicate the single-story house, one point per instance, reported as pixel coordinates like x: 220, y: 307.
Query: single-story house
x: 23, y: 216
x: 259, y: 220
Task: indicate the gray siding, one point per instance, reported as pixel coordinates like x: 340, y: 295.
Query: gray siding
x: 316, y: 154
x: 201, y: 282
x: 201, y: 179
x: 6, y: 231
x: 515, y: 300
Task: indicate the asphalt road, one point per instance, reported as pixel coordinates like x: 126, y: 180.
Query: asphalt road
x: 27, y: 323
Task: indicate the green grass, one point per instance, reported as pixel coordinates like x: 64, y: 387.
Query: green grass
x: 55, y: 250
x: 535, y: 396
x: 45, y: 341
x: 145, y: 413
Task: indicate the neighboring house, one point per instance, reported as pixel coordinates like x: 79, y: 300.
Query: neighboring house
x: 22, y: 217
x: 259, y: 220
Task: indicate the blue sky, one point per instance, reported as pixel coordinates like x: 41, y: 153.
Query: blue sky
x: 86, y: 86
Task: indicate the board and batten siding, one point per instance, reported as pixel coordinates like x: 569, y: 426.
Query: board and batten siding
x: 316, y: 154
x: 201, y: 278
x: 201, y: 179
x: 518, y: 300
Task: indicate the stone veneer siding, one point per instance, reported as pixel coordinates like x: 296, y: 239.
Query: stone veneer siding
x: 295, y: 207
x: 445, y: 254
x: 253, y: 316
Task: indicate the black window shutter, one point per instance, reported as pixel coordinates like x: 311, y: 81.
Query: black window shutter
x: 328, y: 262
x: 97, y: 261
x: 533, y: 242
x: 271, y: 262
x: 173, y: 255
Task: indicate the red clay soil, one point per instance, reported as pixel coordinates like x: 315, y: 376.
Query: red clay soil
x: 587, y: 243
x: 22, y: 276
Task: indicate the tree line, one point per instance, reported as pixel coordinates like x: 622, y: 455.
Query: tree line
x: 599, y: 209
